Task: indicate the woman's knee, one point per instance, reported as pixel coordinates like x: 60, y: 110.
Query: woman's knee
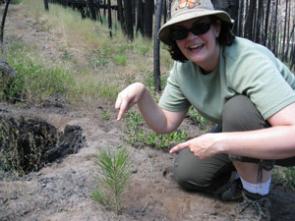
x: 194, y: 174
x: 240, y: 114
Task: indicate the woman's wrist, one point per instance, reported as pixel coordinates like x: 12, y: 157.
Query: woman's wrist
x: 142, y: 94
x: 220, y: 143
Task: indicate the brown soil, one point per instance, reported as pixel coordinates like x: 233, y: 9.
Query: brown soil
x: 61, y: 190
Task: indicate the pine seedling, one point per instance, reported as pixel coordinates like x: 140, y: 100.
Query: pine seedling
x: 115, y: 169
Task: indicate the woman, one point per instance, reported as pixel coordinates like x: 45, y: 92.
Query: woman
x: 236, y: 83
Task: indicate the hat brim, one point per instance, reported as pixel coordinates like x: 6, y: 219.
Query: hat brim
x: 165, y: 29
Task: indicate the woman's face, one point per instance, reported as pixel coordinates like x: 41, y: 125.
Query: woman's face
x: 203, y: 48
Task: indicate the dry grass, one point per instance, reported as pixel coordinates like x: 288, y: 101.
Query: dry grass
x: 100, y: 65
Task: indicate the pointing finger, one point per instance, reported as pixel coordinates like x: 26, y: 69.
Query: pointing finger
x: 118, y: 102
x: 178, y: 147
x: 122, y: 109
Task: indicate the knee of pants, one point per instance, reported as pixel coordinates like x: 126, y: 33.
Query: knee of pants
x: 240, y: 114
x: 194, y: 174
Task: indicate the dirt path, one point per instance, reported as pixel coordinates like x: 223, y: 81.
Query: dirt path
x: 61, y: 191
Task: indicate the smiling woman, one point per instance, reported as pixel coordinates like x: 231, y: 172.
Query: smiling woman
x: 200, y: 26
x: 199, y: 44
x: 229, y: 80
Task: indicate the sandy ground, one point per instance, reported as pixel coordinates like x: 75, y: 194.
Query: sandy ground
x: 61, y: 191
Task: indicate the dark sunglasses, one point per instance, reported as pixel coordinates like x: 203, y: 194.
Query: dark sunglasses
x: 180, y: 33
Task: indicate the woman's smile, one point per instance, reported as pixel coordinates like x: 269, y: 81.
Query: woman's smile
x: 202, y: 49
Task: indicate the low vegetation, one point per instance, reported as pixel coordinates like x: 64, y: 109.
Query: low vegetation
x: 115, y: 173
x: 285, y: 176
x: 138, y: 135
x: 34, y: 82
x: 91, y: 71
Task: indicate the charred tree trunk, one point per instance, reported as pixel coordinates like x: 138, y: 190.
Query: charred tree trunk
x: 46, y: 6
x: 165, y: 11
x: 285, y: 29
x: 105, y: 8
x: 91, y: 8
x: 265, y: 40
x: 3, y: 24
x: 241, y: 18
x: 134, y: 12
x: 121, y: 15
x: 139, y: 17
x: 110, y: 18
x: 235, y: 15
x: 274, y: 38
x: 259, y: 22
x: 157, y: 72
x: 148, y: 18
x: 128, y: 19
x: 249, y: 19
x: 288, y: 36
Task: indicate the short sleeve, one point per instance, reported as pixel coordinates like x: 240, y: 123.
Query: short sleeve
x: 172, y: 98
x: 258, y: 77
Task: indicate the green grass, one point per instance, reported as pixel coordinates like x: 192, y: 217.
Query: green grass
x: 289, y: 177
x: 95, y: 66
x: 138, y: 135
x: 197, y: 118
x: 285, y: 176
x: 120, y: 59
x: 165, y: 141
x: 115, y: 169
x: 16, y: 1
x: 108, y: 91
x: 34, y: 82
x: 99, y: 58
x: 149, y: 81
x: 106, y: 115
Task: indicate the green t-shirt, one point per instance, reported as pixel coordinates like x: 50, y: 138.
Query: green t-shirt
x: 244, y: 68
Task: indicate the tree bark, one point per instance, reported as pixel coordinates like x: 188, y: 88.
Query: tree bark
x: 148, y: 18
x: 128, y: 19
x: 110, y: 18
x: 91, y: 8
x: 3, y: 24
x: 266, y: 26
x: 285, y: 29
x: 139, y: 17
x: 157, y: 71
x: 121, y: 15
x: 46, y: 6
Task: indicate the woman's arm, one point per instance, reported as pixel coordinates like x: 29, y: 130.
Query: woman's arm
x: 161, y: 121
x: 276, y: 142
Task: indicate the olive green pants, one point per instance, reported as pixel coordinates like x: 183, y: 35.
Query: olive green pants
x: 208, y: 175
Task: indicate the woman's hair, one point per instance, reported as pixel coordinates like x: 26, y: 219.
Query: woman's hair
x: 226, y: 37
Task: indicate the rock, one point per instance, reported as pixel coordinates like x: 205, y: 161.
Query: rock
x: 6, y: 69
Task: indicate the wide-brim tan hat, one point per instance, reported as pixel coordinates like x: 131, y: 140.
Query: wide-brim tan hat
x: 183, y: 10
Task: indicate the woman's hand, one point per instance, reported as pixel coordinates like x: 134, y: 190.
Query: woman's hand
x: 202, y: 147
x: 128, y: 97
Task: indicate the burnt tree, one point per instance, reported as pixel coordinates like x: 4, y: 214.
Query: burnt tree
x: 91, y: 7
x: 3, y: 24
x: 139, y: 17
x: 128, y: 19
x: 148, y: 18
x: 157, y: 78
x: 110, y: 18
x: 46, y: 6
